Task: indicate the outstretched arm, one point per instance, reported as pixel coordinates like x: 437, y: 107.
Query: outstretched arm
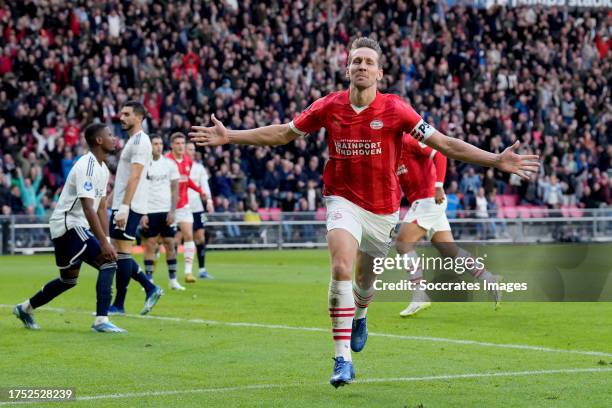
x: 508, y: 161
x: 216, y: 135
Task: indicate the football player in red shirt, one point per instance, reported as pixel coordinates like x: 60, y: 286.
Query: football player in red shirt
x: 184, y: 217
x: 362, y: 192
x: 421, y: 175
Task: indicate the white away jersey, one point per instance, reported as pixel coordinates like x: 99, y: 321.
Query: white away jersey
x: 136, y: 150
x: 161, y: 172
x: 199, y: 175
x: 88, y: 179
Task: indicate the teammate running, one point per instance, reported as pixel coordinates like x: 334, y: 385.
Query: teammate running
x: 421, y: 175
x: 129, y: 205
x: 184, y: 218
x: 361, y: 188
x: 199, y: 176
x: 163, y: 177
x: 78, y: 229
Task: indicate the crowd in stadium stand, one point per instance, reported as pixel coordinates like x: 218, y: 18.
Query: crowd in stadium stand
x: 540, y: 75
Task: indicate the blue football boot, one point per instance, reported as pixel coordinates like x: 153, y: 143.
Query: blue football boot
x: 152, y: 300
x: 343, y: 372
x: 26, y: 318
x: 359, y: 334
x: 113, y: 310
x: 107, y: 327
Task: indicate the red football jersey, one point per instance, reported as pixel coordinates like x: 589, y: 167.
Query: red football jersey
x: 421, y: 167
x: 364, y: 148
x: 185, y: 182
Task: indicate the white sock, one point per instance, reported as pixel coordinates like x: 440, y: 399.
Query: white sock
x: 27, y: 307
x: 101, y: 319
x: 481, y: 274
x: 362, y: 298
x: 189, y: 249
x: 416, y: 276
x: 202, y: 270
x: 341, y: 311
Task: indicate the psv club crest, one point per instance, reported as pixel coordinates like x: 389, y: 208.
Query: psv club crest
x: 376, y: 124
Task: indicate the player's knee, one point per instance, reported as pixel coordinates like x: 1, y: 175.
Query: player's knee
x: 170, y: 249
x: 69, y: 277
x: 403, y: 247
x: 341, y: 270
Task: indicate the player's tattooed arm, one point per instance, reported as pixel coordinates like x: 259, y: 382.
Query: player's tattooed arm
x: 173, y: 202
x: 273, y: 135
x: 108, y: 252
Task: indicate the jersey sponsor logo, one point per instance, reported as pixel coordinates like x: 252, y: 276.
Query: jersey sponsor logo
x: 347, y: 147
x: 376, y: 124
x: 401, y: 170
x: 88, y: 186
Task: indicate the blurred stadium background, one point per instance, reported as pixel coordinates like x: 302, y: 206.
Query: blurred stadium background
x: 489, y: 72
x: 490, y: 76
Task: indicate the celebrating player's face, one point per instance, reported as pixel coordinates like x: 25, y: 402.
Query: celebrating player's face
x: 363, y: 70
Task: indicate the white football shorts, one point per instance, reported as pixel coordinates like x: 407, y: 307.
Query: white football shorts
x: 428, y: 215
x: 372, y: 231
x: 184, y: 215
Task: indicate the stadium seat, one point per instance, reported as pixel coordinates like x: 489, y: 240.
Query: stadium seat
x: 500, y: 201
x: 321, y: 214
x: 510, y: 200
x: 575, y: 211
x: 264, y: 214
x: 524, y: 211
x: 510, y: 212
x: 539, y: 211
x: 565, y: 211
x: 275, y: 214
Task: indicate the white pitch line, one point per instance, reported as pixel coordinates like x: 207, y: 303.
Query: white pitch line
x: 373, y: 334
x: 318, y: 384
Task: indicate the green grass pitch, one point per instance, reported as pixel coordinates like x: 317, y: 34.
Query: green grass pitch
x: 282, y: 355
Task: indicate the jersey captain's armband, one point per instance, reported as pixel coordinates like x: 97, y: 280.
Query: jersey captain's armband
x: 422, y: 131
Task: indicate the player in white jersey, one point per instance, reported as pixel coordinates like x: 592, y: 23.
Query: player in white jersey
x: 160, y: 221
x: 130, y: 204
x: 78, y: 229
x: 199, y: 175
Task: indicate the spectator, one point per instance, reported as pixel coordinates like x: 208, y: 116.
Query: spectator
x: 487, y: 86
x: 222, y: 183
x: 238, y: 181
x: 470, y: 183
x: 482, y: 212
x: 453, y: 201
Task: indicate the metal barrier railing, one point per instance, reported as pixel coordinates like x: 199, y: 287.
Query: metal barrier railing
x: 307, y: 230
